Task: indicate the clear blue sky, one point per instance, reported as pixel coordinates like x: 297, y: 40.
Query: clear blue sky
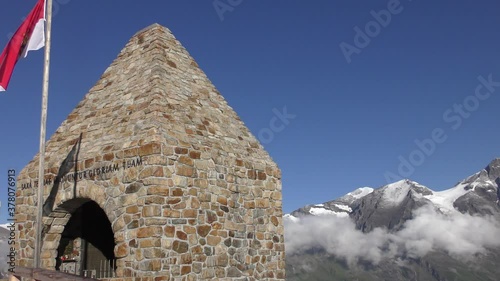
x: 353, y: 120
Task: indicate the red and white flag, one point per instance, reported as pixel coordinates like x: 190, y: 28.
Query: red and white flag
x: 29, y: 36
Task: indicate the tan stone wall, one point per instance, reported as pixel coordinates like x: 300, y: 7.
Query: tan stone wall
x: 205, y: 203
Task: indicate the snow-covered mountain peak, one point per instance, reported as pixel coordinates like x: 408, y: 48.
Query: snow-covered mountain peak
x: 360, y: 192
x: 488, y: 176
x: 352, y: 196
x: 393, y: 194
x: 487, y: 179
x: 493, y: 169
x: 495, y: 164
x: 409, y: 183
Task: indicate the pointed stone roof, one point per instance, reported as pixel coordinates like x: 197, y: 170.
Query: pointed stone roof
x: 154, y: 91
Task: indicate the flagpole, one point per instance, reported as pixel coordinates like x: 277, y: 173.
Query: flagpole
x: 43, y: 122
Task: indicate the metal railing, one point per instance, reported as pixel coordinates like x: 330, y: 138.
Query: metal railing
x: 106, y: 270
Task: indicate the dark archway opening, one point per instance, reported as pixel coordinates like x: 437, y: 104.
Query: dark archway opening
x: 87, y: 243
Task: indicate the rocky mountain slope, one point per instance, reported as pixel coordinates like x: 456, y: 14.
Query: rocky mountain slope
x: 4, y: 250
x: 407, y: 232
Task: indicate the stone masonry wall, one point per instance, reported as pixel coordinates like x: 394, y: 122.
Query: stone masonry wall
x: 188, y: 190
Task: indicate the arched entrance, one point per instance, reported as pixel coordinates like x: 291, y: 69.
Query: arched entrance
x: 87, y: 243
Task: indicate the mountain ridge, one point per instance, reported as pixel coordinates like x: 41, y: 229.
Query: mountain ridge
x: 485, y: 182
x: 401, y: 231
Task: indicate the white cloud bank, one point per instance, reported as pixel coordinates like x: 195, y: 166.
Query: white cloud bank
x: 460, y: 235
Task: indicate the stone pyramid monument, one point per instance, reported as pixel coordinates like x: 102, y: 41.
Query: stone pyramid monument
x: 154, y: 176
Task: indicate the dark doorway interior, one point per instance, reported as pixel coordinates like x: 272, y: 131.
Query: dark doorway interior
x: 87, y: 243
